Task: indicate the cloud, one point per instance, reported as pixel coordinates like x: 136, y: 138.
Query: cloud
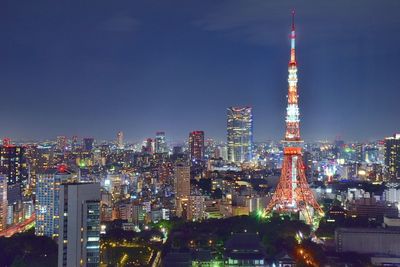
x: 260, y: 22
x: 254, y: 21
x: 120, y: 24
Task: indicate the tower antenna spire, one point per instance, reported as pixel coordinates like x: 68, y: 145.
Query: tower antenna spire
x: 293, y: 13
x: 293, y: 41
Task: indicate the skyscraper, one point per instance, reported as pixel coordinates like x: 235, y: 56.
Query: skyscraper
x: 182, y: 180
x: 120, y: 140
x: 359, y: 149
x: 148, y: 146
x: 182, y: 188
x: 47, y: 200
x: 88, y: 144
x: 13, y: 167
x: 13, y: 164
x: 74, y: 143
x: 392, y: 156
x: 79, y: 239
x: 293, y: 194
x: 61, y: 143
x: 160, y: 143
x: 196, y: 145
x: 240, y: 134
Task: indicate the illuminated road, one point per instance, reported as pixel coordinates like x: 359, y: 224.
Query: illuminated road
x: 18, y: 228
x: 157, y: 259
x: 307, y: 257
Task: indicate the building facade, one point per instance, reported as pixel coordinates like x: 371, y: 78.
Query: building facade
x: 368, y: 241
x: 13, y: 167
x: 47, y: 201
x: 3, y: 202
x: 196, y: 208
x: 392, y: 156
x: 196, y: 145
x: 88, y: 144
x: 182, y: 180
x: 240, y: 134
x: 182, y: 188
x: 79, y: 239
x: 120, y: 140
x: 160, y: 145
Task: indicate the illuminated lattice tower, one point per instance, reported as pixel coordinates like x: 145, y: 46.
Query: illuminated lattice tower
x: 293, y: 193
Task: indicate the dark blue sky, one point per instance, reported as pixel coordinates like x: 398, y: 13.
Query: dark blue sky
x: 92, y: 68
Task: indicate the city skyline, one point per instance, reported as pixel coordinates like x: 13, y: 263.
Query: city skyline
x: 146, y: 68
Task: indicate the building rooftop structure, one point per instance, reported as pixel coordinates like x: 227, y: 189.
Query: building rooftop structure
x: 244, y: 247
x: 371, y: 241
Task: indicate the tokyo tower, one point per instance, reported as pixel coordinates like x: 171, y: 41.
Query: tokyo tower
x: 293, y: 193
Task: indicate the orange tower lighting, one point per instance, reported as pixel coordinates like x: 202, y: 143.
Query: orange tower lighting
x: 293, y: 193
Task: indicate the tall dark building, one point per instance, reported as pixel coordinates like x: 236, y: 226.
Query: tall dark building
x: 392, y: 156
x: 196, y: 145
x: 176, y: 150
x: 13, y: 167
x: 88, y: 144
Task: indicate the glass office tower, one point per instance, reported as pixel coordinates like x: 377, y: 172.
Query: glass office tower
x: 240, y: 134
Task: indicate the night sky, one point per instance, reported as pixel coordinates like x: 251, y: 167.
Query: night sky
x: 92, y: 68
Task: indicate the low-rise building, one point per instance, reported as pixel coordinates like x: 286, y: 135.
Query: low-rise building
x: 376, y: 241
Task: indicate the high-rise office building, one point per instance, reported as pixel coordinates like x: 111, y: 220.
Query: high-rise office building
x: 240, y: 134
x: 359, y: 150
x: 88, y: 144
x: 160, y: 145
x: 196, y: 145
x: 3, y: 202
x: 392, y: 156
x: 79, y: 239
x: 148, y: 146
x: 13, y: 167
x: 182, y: 188
x: 182, y: 180
x: 61, y: 143
x: 74, y: 143
x: 47, y: 200
x: 120, y: 140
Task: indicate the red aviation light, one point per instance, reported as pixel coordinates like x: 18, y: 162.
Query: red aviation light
x: 62, y: 168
